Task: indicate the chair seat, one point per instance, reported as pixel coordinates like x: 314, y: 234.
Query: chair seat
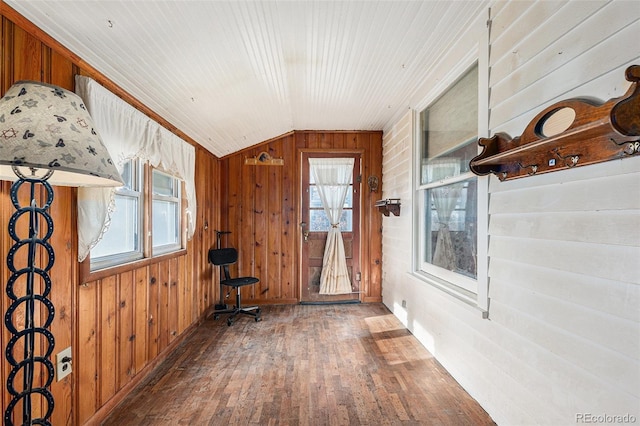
x: 239, y: 282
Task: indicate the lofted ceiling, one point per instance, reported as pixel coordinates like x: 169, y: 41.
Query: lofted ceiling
x: 231, y: 74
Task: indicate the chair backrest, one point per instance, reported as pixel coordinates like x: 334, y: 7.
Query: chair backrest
x: 223, y: 256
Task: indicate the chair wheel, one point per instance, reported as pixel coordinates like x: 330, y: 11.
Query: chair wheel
x: 258, y: 319
x: 229, y: 322
x: 215, y: 317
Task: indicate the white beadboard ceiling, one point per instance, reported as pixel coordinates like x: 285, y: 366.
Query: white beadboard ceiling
x: 231, y: 74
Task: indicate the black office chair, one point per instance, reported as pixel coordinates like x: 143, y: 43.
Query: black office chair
x: 223, y: 257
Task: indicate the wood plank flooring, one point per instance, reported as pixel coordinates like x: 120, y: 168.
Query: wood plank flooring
x: 301, y: 365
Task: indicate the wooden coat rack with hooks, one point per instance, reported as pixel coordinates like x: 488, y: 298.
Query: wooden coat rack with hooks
x: 570, y: 133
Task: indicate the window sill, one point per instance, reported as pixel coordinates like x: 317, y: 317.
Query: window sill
x: 468, y: 298
x: 87, y: 276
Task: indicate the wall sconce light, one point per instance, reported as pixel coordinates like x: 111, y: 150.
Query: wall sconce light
x: 46, y: 138
x: 373, y: 183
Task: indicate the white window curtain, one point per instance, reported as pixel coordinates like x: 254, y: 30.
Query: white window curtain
x: 445, y: 199
x: 127, y: 133
x: 333, y: 177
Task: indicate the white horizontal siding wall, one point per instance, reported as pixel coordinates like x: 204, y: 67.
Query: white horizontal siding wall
x: 563, y: 334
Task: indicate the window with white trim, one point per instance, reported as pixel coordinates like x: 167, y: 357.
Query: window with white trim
x: 122, y: 241
x: 447, y: 191
x: 165, y: 216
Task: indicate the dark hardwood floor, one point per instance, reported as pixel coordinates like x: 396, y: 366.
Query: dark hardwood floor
x: 301, y: 365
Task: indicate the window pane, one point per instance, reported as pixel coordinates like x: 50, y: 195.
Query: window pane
x: 320, y: 221
x: 314, y: 197
x: 316, y: 202
x: 163, y: 184
x: 165, y: 223
x: 450, y: 227
x: 451, y: 164
x: 121, y: 237
x: 449, y: 127
x: 127, y: 175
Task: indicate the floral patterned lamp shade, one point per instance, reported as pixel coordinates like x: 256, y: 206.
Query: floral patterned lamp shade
x: 47, y: 127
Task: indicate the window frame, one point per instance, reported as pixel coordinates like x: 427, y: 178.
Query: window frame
x: 137, y: 192
x: 470, y: 291
x: 175, y: 198
x: 94, y: 269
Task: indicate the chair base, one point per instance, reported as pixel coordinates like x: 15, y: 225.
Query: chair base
x: 252, y: 311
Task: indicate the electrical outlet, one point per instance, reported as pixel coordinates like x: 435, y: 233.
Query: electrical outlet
x: 63, y: 364
x: 404, y: 303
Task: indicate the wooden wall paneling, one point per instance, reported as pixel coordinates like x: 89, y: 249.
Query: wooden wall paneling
x: 6, y: 46
x: 375, y: 161
x: 62, y: 71
x: 163, y: 305
x: 86, y: 352
x: 126, y: 328
x: 205, y: 294
x: 198, y: 236
x: 141, y: 318
x: 223, y: 210
x: 108, y: 332
x: 154, y: 297
x: 205, y: 176
x: 174, y: 300
x: 272, y: 287
x: 247, y: 232
x: 376, y: 219
x: 62, y: 282
x: 289, y: 224
x: 27, y: 65
x: 240, y: 222
x: 260, y: 216
x: 185, y: 285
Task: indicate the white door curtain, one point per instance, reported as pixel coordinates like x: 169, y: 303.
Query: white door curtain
x: 333, y: 177
x: 127, y: 133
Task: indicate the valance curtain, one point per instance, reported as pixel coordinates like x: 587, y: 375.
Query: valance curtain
x: 127, y: 133
x: 332, y: 177
x: 445, y: 199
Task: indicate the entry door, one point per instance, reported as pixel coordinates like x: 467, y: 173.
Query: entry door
x: 313, y: 232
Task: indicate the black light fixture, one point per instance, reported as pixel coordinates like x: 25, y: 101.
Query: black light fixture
x: 46, y: 138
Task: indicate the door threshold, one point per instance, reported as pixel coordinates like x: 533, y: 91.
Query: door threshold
x: 329, y: 302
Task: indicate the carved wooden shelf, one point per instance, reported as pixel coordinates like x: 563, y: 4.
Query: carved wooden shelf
x: 590, y: 132
x: 264, y: 159
x: 390, y: 205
